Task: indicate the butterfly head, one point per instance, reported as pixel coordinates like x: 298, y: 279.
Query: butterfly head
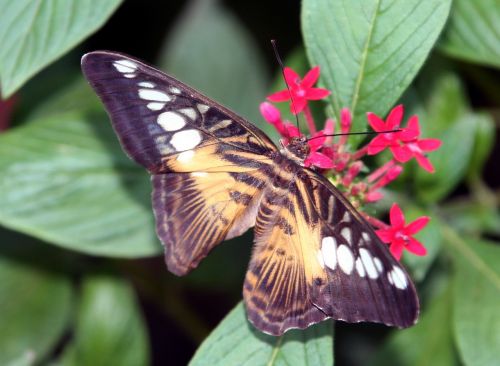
x: 297, y: 149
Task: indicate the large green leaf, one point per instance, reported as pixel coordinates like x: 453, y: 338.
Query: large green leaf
x: 210, y: 50
x: 109, y: 329
x: 35, y: 300
x: 476, y: 298
x: 473, y: 32
x: 236, y: 342
x: 35, y: 33
x: 370, y: 50
x: 65, y: 179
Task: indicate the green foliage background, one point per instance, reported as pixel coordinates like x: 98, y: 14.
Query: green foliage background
x: 82, y: 281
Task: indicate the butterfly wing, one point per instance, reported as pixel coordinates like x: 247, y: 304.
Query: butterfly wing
x: 317, y: 258
x: 208, y: 165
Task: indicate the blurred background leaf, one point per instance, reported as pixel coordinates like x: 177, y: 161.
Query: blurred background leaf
x: 109, y: 329
x: 236, y: 342
x: 65, y: 180
x: 35, y: 33
x: 370, y: 50
x: 35, y: 299
x: 473, y: 33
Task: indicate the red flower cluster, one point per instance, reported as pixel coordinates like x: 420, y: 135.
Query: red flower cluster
x: 343, y: 168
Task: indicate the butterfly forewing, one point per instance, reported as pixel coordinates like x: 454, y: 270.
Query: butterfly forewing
x: 215, y: 175
x: 197, y: 151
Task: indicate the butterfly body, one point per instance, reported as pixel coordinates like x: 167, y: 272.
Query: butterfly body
x: 215, y: 175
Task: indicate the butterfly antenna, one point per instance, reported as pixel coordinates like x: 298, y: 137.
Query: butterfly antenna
x: 280, y: 62
x: 355, y: 133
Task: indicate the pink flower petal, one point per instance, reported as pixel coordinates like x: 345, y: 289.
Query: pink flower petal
x: 395, y: 117
x: 317, y: 93
x: 320, y: 160
x: 396, y: 216
x: 407, y: 135
x: 375, y: 122
x: 345, y: 119
x: 401, y: 153
x: 416, y: 247
x: 298, y: 105
x: 280, y: 96
x: 311, y: 77
x: 376, y: 145
x: 396, y: 250
x: 291, y: 77
x: 316, y: 141
x: 291, y: 130
x: 385, y: 235
x: 424, y: 163
x: 413, y: 125
x: 429, y: 144
x: 270, y: 112
x: 374, y: 196
x: 417, y: 225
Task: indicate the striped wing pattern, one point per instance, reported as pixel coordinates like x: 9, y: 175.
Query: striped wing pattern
x: 215, y: 175
x: 315, y: 258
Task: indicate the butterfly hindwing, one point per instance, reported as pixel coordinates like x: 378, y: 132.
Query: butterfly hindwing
x: 315, y: 257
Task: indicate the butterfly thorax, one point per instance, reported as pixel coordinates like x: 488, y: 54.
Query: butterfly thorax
x: 296, y: 150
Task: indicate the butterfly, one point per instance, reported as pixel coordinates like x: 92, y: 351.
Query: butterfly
x: 215, y: 175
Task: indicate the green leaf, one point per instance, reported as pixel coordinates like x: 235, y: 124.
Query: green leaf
x: 35, y: 300
x: 210, y: 50
x: 473, y: 33
x: 370, y: 50
x: 35, y: 33
x: 64, y: 179
x: 109, y: 329
x: 483, y: 145
x: 443, y: 114
x: 236, y: 342
x: 429, y: 342
x: 476, y: 298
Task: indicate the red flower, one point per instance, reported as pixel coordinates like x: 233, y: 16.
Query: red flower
x: 391, y: 140
x: 416, y: 147
x: 404, y: 144
x: 400, y: 236
x: 300, y: 90
x: 272, y: 115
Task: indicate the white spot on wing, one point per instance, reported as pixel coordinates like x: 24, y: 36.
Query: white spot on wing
x: 359, y: 267
x: 347, y: 217
x: 347, y: 234
x: 185, y: 156
x: 378, y: 264
x: 199, y: 174
x: 366, y: 258
x: 399, y: 278
x: 185, y: 140
x: 202, y: 108
x: 146, y: 84
x: 130, y: 76
x: 155, y: 106
x: 175, y: 90
x: 190, y: 112
x: 345, y: 258
x: 365, y: 236
x: 154, y: 95
x: 329, y: 251
x: 171, y: 121
x: 125, y: 66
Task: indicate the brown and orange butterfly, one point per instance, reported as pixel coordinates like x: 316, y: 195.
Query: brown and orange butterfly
x: 216, y: 175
